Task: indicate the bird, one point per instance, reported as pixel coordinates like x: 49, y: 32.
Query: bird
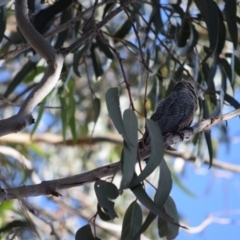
x: 175, y: 112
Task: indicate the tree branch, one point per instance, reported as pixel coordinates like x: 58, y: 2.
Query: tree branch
x: 51, y: 187
x: 55, y: 62
x: 51, y: 33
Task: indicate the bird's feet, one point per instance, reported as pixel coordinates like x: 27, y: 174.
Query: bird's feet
x: 180, y: 134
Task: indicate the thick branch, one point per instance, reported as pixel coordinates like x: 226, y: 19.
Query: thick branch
x: 34, y: 38
x: 51, y: 187
x: 49, y: 80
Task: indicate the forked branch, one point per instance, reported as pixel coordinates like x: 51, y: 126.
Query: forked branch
x: 55, y: 62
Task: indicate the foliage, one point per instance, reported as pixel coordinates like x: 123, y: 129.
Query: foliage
x: 133, y: 60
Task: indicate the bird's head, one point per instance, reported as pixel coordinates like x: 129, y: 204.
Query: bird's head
x: 188, y: 86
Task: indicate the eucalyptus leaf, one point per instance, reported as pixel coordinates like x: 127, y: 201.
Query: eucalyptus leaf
x: 130, y: 150
x: 157, y: 150
x: 132, y: 221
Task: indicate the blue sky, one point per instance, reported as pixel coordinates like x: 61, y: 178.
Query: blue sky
x: 217, y: 191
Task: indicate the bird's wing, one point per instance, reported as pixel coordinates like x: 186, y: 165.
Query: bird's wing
x: 174, y: 113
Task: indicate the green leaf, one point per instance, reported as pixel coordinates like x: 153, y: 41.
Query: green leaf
x: 222, y: 31
x: 72, y: 109
x: 168, y: 230
x: 123, y: 30
x: 210, y: 14
x: 97, y: 65
x: 103, y: 47
x: 108, y: 7
x: 236, y: 63
x: 96, y: 108
x: 164, y: 185
x: 62, y: 36
x: 2, y: 21
x: 209, y: 146
x: 232, y: 101
x: 226, y: 67
x: 130, y: 150
x: 188, y: 48
x: 162, y: 193
x: 157, y: 150
x: 132, y: 221
x: 102, y: 214
x: 156, y: 17
x: 105, y: 191
x: 25, y: 70
x: 63, y: 114
x: 14, y: 224
x: 131, y: 47
x: 85, y: 233
x: 231, y: 17
x: 148, y: 203
x: 77, y: 57
x: 39, y: 117
x: 209, y: 74
x: 36, y: 71
x: 114, y: 111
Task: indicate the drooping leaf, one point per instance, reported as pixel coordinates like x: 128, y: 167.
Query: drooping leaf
x: 63, y: 114
x: 148, y: 203
x: 104, y: 192
x: 156, y: 17
x: 62, y: 36
x: 96, y: 108
x: 131, y: 47
x: 206, y: 115
x: 188, y: 48
x: 226, y: 67
x: 72, y: 109
x: 132, y: 221
x: 164, y: 185
x: 209, y: 74
x: 210, y: 14
x: 157, y: 150
x: 166, y: 229
x: 27, y: 68
x: 162, y: 193
x: 224, y: 79
x: 130, y: 150
x: 222, y: 31
x: 230, y: 13
x: 85, y: 233
x: 39, y: 117
x: 2, y: 22
x: 209, y: 146
x: 236, y: 63
x: 97, y: 64
x: 108, y: 7
x: 123, y: 30
x: 14, y: 224
x: 36, y: 71
x: 103, y: 47
x: 78, y: 55
x: 102, y: 214
x: 113, y: 106
x: 232, y: 101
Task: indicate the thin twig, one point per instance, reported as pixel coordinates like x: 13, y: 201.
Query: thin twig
x: 121, y: 65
